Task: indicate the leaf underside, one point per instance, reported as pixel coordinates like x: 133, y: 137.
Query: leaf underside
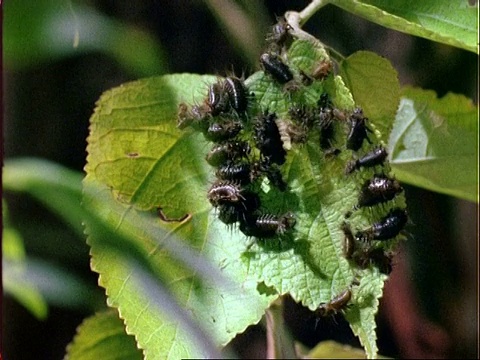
x: 144, y: 161
x: 451, y: 22
x: 434, y: 138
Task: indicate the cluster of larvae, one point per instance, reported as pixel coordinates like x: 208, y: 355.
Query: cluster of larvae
x: 250, y: 144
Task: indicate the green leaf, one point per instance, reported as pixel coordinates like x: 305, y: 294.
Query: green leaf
x: 330, y: 349
x: 434, y: 143
x: 375, y: 87
x: 141, y: 158
x: 136, y: 150
x: 102, y: 336
x: 47, y: 30
x: 452, y: 22
x: 126, y: 244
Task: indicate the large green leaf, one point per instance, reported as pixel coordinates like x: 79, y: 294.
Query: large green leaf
x: 135, y: 149
x: 141, y: 158
x: 452, y: 22
x: 434, y: 143
x: 47, y: 30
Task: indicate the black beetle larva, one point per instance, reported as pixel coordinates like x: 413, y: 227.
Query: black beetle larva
x: 327, y: 133
x: 240, y: 173
x: 218, y: 99
x: 237, y: 93
x: 268, y: 140
x: 373, y: 158
x: 274, y: 66
x: 387, y: 228
x: 335, y: 305
x: 377, y: 190
x: 358, y: 130
x: 221, y: 131
x: 223, y: 192
x: 228, y: 213
x: 267, y: 225
x: 248, y: 205
x: 227, y: 151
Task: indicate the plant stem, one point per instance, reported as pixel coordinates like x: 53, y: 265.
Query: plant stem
x: 311, y: 9
x: 297, y: 19
x: 294, y: 20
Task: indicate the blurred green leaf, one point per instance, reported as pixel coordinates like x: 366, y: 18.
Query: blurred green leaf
x: 17, y: 284
x: 44, y: 283
x: 332, y: 350
x: 14, y: 270
x: 48, y: 30
x: 243, y: 24
x: 46, y: 181
x: 452, y: 22
x: 434, y: 143
x: 145, y: 162
x: 103, y: 336
x: 280, y: 344
x: 374, y: 85
x: 61, y: 287
x: 12, y: 242
x: 34, y: 283
x: 58, y: 188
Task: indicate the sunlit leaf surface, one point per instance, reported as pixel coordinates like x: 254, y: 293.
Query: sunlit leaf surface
x: 145, y: 162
